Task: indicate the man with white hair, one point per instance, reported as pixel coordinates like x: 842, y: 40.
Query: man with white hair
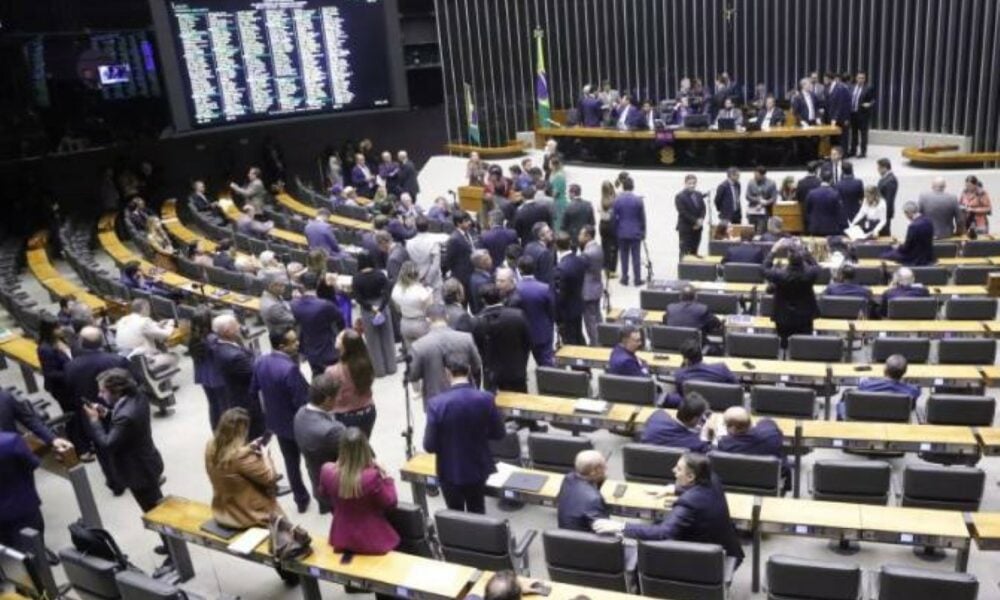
x: 407, y: 176
x: 903, y: 286
x: 805, y: 104
x: 274, y: 310
x: 137, y: 333
x: 481, y: 275
x: 918, y: 247
x: 247, y: 223
x: 506, y: 285
x: 942, y: 209
x: 580, y: 501
x: 235, y: 363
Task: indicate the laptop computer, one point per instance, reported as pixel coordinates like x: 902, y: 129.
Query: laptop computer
x: 696, y: 121
x: 727, y: 124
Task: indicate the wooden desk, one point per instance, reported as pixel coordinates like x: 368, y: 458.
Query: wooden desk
x: 23, y: 351
x: 687, y: 134
x: 923, y: 375
x: 556, y: 410
x: 559, y: 591
x: 54, y: 281
x: 986, y: 530
x: 812, y: 518
x: 232, y: 213
x: 917, y: 527
x: 303, y: 209
x: 877, y: 290
x: 871, y: 262
x: 947, y: 156
x: 990, y: 440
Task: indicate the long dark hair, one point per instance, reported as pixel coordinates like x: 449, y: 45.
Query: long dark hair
x: 359, y: 364
x: 48, y: 329
x: 201, y: 326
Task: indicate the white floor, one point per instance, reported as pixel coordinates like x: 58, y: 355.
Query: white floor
x: 181, y: 437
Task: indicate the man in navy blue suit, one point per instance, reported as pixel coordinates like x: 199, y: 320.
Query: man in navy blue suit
x: 540, y: 249
x: 629, y: 217
x: 891, y: 382
x: 805, y: 105
x: 319, y: 321
x: 727, y: 197
x: 536, y: 300
x: 763, y: 438
x: 844, y: 285
x: 684, y: 431
x: 496, y: 239
x: 903, y: 286
x: 693, y: 369
x: 580, y: 503
x: 745, y: 252
x: 319, y: 233
x: 482, y: 275
x: 838, y: 106
x: 235, y: 363
x: 688, y: 312
x: 691, y: 209
x: 279, y: 384
x: 529, y: 213
x: 917, y: 249
x: 19, y: 501
x: 700, y: 513
x: 824, y: 214
x: 591, y: 111
x: 623, y: 359
x: 625, y: 115
x: 852, y: 190
x: 568, y: 283
x: 461, y: 421
x: 457, y: 260
x: 14, y: 412
x: 807, y: 183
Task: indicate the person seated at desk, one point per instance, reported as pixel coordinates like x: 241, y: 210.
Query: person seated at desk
x: 319, y: 233
x: 729, y: 111
x: 138, y: 334
x: 224, y: 256
x: 623, y: 356
x: 649, y: 116
x: 744, y: 252
x: 775, y: 230
x: 763, y: 438
x: 247, y: 223
x: 903, y: 286
x: 625, y: 116
x: 823, y: 212
x: 688, y: 312
x: 503, y: 585
x: 580, y: 502
x: 700, y: 513
x: 770, y: 115
x: 684, y: 431
x: 137, y: 214
x: 844, y: 285
x: 693, y: 369
x: 871, y: 215
x: 917, y: 249
x: 891, y: 382
x: 132, y: 278
x: 682, y: 110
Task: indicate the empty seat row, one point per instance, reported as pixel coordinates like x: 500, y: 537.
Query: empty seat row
x: 864, y: 275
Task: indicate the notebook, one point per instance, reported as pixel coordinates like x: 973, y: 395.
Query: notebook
x: 251, y: 538
x: 212, y: 526
x: 525, y: 482
x: 588, y: 405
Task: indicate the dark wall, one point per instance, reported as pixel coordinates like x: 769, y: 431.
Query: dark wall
x: 934, y: 62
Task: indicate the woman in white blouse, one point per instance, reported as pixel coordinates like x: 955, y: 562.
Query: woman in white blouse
x: 872, y: 214
x: 413, y: 298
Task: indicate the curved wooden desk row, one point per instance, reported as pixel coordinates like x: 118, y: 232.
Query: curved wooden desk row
x: 52, y: 280
x: 969, y: 261
x: 687, y: 134
x: 947, y: 156
x: 782, y: 516
x: 877, y: 290
x: 852, y: 328
x: 171, y: 220
x: 303, y: 209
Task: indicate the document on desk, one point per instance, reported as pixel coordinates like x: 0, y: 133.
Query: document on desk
x: 588, y: 405
x: 251, y: 538
x: 497, y: 479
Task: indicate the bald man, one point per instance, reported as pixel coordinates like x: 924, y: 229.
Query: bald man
x: 580, y: 500
x: 904, y: 285
x: 942, y: 209
x: 762, y: 439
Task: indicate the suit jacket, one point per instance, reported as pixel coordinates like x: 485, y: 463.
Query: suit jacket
x: 536, y: 300
x: 884, y: 384
x: 888, y: 185
x: 503, y: 338
x: 407, y: 179
x: 838, y: 104
x: 283, y: 390
x: 763, y: 439
x: 804, y: 186
x: 901, y: 291
x: 629, y: 216
x: 19, y: 499
x: 569, y: 287
x: 591, y: 111
x: 801, y: 109
x: 727, y: 201
x: 461, y: 421
x: 577, y: 214
x: 794, y: 293
x: 744, y: 253
x: 224, y: 261
x: 53, y: 362
x: 944, y: 212
x: 275, y: 312
x: 235, y: 365
x: 399, y: 231
x: 824, y: 214
x: 457, y: 260
x: 690, y: 314
x: 867, y: 97
x: 633, y: 118
x: 700, y: 514
x: 477, y: 280
x: 13, y: 411
x: 579, y: 503
x: 495, y: 241
x: 127, y: 437
x: 593, y: 285
x: 317, y: 434
x: 664, y: 430
x: 852, y: 192
x: 623, y: 362
x: 777, y: 117
x: 83, y: 369
x: 394, y: 262
x: 319, y: 234
x: 713, y: 373
x: 361, y: 183
x: 918, y: 248
x: 545, y: 261
x: 319, y: 322
x: 526, y: 216
x: 848, y: 289
x: 244, y: 491
x: 429, y: 352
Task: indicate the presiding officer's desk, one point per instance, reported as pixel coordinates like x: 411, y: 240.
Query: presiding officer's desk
x: 395, y: 573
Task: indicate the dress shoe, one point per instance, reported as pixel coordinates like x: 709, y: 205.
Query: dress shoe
x: 161, y: 550
x: 284, y: 490
x: 302, y: 506
x: 52, y: 558
x: 639, y: 283
x: 87, y: 457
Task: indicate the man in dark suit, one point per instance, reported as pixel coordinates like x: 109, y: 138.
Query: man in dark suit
x: 838, y: 106
x: 235, y: 364
x: 536, y: 300
x: 318, y: 432
x: 628, y: 214
x: 496, y: 239
x: 764, y: 438
x: 200, y: 202
x: 684, y: 431
x: 626, y: 116
x: 457, y: 260
x: 578, y: 213
x: 824, y: 214
x: 540, y: 249
x: 461, y: 421
x: 805, y: 104
x: 903, y: 285
x: 917, y: 249
x: 744, y: 252
x: 319, y: 321
x: 891, y: 382
x: 591, y: 111
x: 407, y: 176
x: 844, y: 285
x: 624, y: 360
x: 20, y: 505
x: 690, y: 205
x: 568, y: 282
x: 862, y: 99
x: 852, y: 190
x: 280, y: 386
x: 887, y: 188
x: 693, y: 369
x: 833, y: 164
x: 224, y: 256
x: 530, y: 212
x: 503, y: 338
x: 14, y: 412
x: 727, y: 198
x: 807, y: 183
x: 770, y: 115
x: 580, y: 503
x: 319, y: 233
x: 688, y: 312
x: 482, y: 275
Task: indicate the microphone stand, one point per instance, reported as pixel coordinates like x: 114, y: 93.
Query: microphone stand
x: 606, y: 294
x: 649, y: 262
x: 407, y: 432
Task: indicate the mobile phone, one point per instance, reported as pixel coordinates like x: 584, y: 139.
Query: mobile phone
x: 346, y: 558
x: 861, y: 368
x: 541, y: 588
x: 749, y: 364
x: 620, y: 490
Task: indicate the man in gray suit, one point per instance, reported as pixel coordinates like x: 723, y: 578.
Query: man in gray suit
x: 254, y: 193
x: 317, y: 431
x: 593, y: 287
x: 942, y: 209
x: 275, y: 312
x: 428, y: 353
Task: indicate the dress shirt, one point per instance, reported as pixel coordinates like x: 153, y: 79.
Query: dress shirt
x: 412, y: 301
x: 135, y: 332
x: 873, y: 214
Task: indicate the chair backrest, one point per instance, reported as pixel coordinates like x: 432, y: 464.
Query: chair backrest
x: 719, y: 247
x: 971, y: 309
x: 981, y: 248
x: 586, y: 559
x: 720, y: 303
x: 674, y: 569
x: 871, y: 249
x: 746, y: 473
x: 753, y: 345
x: 608, y: 334
x: 90, y: 574
x: 697, y: 271
x: 779, y: 401
x: 136, y: 585
x: 973, y: 274
x: 626, y: 389
x: 945, y: 249
x: 475, y: 540
x: 650, y: 463
x: 959, y: 409
x: 842, y: 307
x: 824, y: 348
x: 719, y: 396
x: 664, y: 337
x: 851, y: 481
x: 950, y: 488
x: 931, y: 275
x: 507, y: 449
x: 408, y: 521
x: 552, y: 452
x: 766, y: 308
x: 916, y: 350
x: 563, y: 382
x: 869, y: 275
x: 742, y: 273
x: 876, y: 406
x: 657, y: 299
x: 907, y: 583
x: 804, y: 579
x: 967, y: 351
x: 913, y: 308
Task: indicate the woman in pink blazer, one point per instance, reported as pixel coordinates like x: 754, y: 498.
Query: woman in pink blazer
x: 360, y: 493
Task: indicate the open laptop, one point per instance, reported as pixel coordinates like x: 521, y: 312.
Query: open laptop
x: 727, y: 124
x: 696, y: 121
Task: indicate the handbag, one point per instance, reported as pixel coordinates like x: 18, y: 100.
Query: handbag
x: 378, y: 319
x: 288, y: 541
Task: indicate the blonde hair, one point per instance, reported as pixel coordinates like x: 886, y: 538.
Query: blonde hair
x: 871, y: 195
x: 409, y: 274
x: 353, y: 457
x: 230, y: 436
x: 607, y: 195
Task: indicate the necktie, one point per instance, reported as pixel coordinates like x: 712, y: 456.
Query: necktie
x: 857, y: 97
